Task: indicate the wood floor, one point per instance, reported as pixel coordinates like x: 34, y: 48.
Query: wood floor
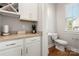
x: 55, y: 52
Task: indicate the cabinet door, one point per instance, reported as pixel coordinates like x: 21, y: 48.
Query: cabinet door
x: 33, y: 50
x: 24, y: 10
x: 34, y: 11
x: 75, y: 41
x: 28, y: 11
x: 11, y: 52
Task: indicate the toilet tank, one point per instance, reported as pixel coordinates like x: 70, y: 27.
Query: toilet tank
x: 54, y: 36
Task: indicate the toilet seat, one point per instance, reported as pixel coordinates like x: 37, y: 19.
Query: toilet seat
x: 62, y: 42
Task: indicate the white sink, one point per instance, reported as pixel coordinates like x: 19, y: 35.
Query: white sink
x: 62, y: 42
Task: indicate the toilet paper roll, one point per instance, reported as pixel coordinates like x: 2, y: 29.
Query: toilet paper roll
x: 5, y: 28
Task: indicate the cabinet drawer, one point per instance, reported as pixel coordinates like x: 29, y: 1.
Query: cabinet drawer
x: 9, y: 44
x: 32, y: 40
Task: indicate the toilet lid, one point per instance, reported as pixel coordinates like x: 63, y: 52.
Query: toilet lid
x: 62, y: 42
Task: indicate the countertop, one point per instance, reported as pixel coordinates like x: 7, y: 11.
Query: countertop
x: 18, y: 36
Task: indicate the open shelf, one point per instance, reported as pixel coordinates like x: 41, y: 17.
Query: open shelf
x: 26, y: 20
x: 9, y: 9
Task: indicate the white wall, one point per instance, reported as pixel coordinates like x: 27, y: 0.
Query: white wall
x: 43, y: 27
x: 51, y: 21
x: 60, y: 17
x: 39, y: 23
x: 47, y: 23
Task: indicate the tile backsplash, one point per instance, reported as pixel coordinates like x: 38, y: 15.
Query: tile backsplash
x: 14, y: 23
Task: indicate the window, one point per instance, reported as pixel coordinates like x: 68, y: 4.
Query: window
x: 72, y: 17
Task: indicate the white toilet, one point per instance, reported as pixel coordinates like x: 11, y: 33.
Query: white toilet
x: 59, y: 44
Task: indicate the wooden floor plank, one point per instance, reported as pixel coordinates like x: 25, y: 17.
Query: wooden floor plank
x: 55, y: 52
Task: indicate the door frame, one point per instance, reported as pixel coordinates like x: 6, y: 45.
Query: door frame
x: 44, y: 30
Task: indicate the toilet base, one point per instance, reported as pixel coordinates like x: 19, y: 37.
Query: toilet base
x: 59, y: 47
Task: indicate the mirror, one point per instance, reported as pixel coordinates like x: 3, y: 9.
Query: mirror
x: 72, y: 17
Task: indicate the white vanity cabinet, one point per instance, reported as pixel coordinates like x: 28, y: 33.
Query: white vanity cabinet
x: 11, y: 52
x: 28, y: 11
x: 11, y: 48
x: 21, y: 47
x: 33, y: 46
x: 75, y: 40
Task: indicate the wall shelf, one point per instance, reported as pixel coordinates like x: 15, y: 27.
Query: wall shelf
x: 8, y: 13
x: 9, y: 10
x: 24, y: 20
